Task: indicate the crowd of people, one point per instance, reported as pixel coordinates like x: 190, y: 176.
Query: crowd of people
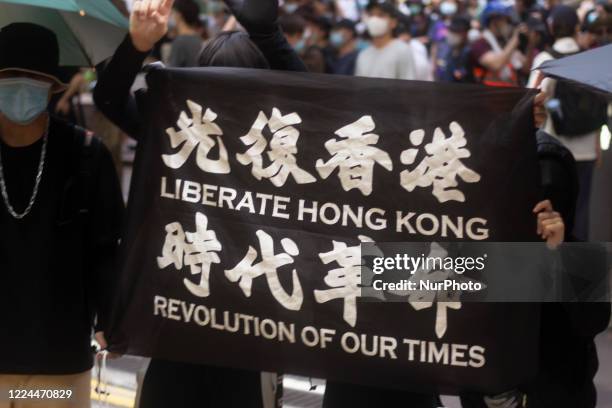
x: 61, y: 198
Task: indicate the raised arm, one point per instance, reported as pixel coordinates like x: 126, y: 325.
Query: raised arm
x: 260, y: 19
x: 148, y: 24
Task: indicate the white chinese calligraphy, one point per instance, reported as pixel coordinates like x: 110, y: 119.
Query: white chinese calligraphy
x: 442, y: 165
x: 443, y: 299
x: 198, y: 250
x: 355, y: 156
x: 247, y: 270
x: 197, y: 131
x: 283, y: 148
x: 346, y: 280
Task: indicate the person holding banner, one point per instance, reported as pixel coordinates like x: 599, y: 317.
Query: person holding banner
x: 169, y: 383
x: 187, y: 385
x: 60, y: 216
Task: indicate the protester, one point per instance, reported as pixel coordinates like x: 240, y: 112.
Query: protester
x: 387, y: 57
x: 316, y: 38
x: 293, y: 27
x: 170, y: 383
x: 453, y: 63
x: 344, y: 40
x: 583, y: 142
x: 567, y: 329
x: 60, y: 219
x: 420, y: 53
x: 495, y: 56
x: 187, y: 44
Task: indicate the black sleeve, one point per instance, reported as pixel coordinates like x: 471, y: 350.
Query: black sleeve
x: 104, y: 232
x: 279, y: 53
x: 113, y: 91
x: 557, y: 187
x: 586, y: 279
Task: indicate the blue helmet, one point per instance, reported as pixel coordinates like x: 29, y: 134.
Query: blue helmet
x: 495, y: 8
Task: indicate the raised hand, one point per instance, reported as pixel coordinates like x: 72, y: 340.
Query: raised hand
x: 256, y: 16
x: 149, y: 22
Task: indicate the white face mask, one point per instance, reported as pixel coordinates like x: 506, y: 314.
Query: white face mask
x: 377, y: 26
x: 448, y: 8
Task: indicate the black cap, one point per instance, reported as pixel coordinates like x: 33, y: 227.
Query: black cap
x: 189, y: 10
x: 346, y: 24
x: 460, y: 24
x: 30, y: 48
x: 385, y: 6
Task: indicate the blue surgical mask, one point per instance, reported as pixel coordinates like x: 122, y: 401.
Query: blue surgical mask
x: 300, y: 46
x: 291, y: 8
x: 336, y: 39
x: 22, y: 100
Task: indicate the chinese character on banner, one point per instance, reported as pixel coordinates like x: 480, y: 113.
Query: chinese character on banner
x: 346, y: 280
x: 283, y: 148
x: 355, y: 156
x: 198, y: 250
x: 247, y: 270
x: 443, y: 299
x: 197, y: 131
x: 441, y: 166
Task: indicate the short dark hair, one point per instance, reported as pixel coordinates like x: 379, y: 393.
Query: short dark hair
x: 189, y: 10
x: 292, y: 24
x: 232, y: 49
x: 564, y: 21
x: 460, y: 24
x: 386, y: 6
x: 346, y: 24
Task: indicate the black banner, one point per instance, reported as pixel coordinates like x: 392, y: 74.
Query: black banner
x: 253, y: 190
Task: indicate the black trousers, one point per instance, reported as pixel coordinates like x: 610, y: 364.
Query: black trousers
x: 339, y: 395
x: 179, y: 385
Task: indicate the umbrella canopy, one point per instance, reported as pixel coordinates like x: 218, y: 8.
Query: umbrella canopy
x: 590, y: 69
x: 88, y: 31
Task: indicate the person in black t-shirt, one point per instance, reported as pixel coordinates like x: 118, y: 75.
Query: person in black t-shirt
x: 60, y: 216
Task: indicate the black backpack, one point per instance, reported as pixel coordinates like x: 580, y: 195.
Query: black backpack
x: 580, y: 111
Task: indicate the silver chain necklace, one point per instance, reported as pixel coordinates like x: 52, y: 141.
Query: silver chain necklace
x: 41, y: 166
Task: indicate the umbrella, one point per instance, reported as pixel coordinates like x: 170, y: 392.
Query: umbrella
x: 88, y: 31
x: 589, y: 69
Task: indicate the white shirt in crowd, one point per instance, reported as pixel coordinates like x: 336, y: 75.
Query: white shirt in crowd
x: 348, y: 9
x: 394, y: 61
x: 582, y: 147
x: 421, y: 61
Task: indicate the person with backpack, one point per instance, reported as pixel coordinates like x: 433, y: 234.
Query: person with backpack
x: 575, y: 116
x: 60, y: 215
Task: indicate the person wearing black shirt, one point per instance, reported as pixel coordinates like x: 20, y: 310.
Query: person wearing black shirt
x: 169, y: 383
x: 60, y: 217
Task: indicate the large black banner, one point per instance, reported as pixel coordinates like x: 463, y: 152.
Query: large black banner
x: 253, y: 190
